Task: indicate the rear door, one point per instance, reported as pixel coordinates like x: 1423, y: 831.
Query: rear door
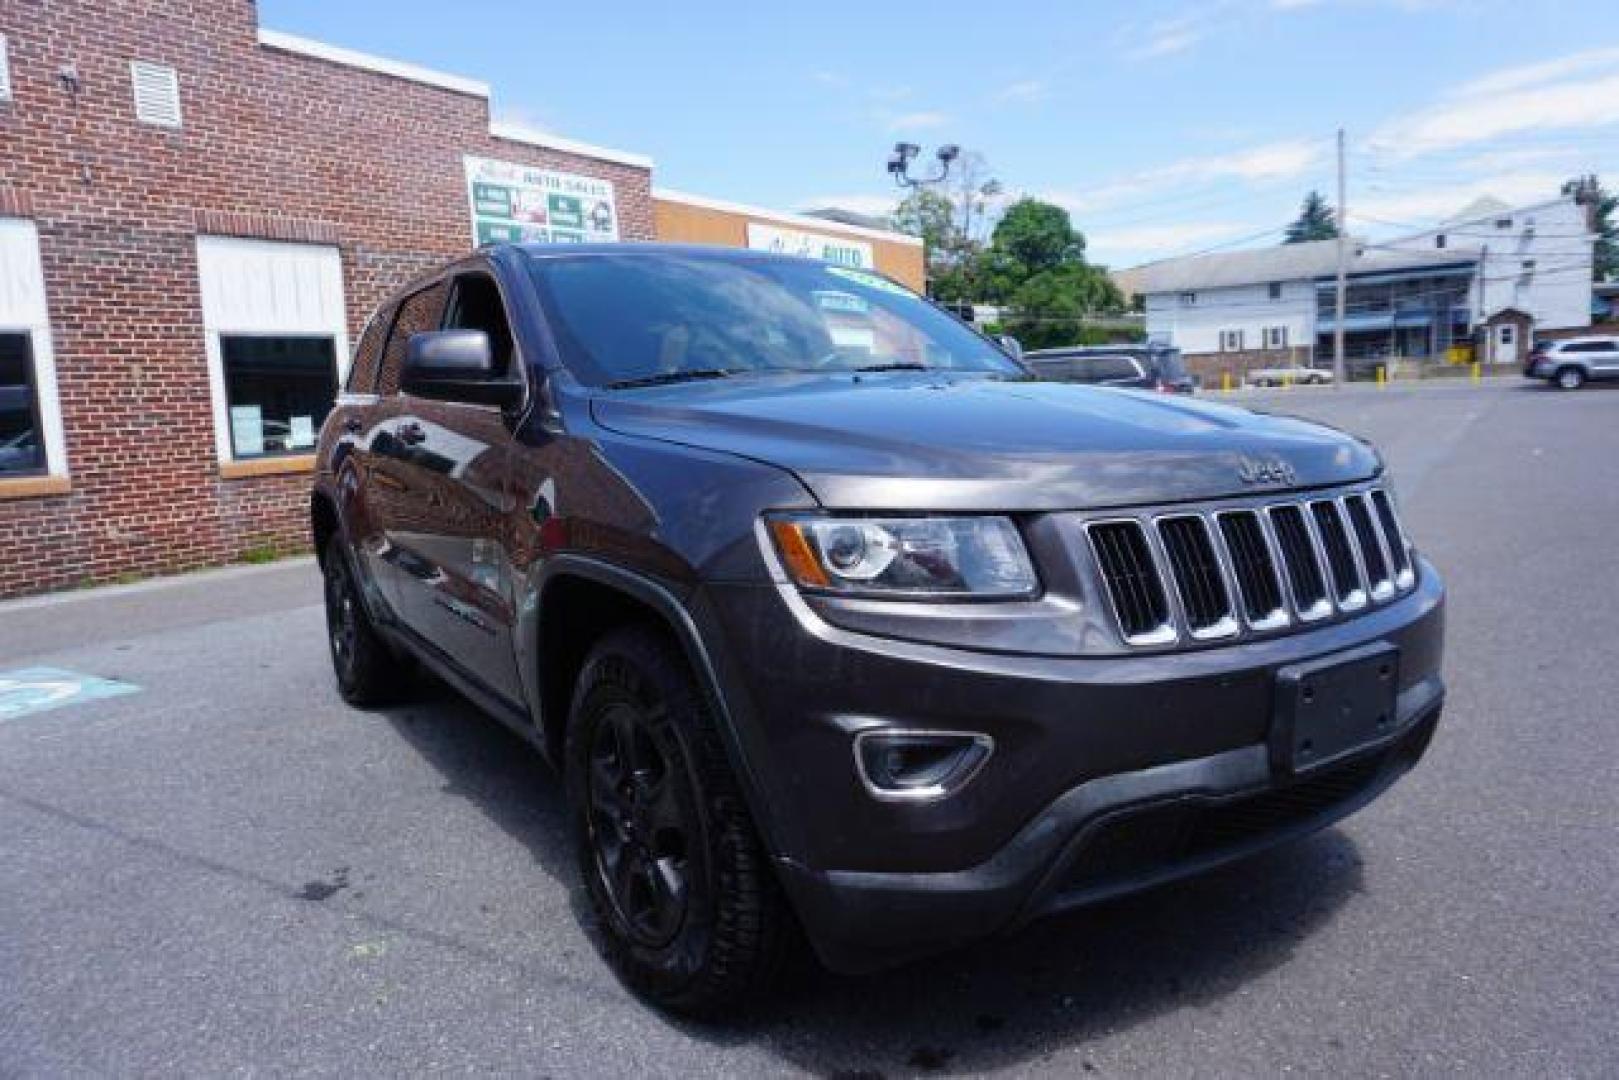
x: 458, y: 460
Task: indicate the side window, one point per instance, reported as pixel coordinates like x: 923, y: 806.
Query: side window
x: 22, y: 443
x: 475, y: 304
x: 417, y: 315
x: 1114, y: 367
x: 368, y: 355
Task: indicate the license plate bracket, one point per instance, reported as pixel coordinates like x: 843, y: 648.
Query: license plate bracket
x: 1330, y: 708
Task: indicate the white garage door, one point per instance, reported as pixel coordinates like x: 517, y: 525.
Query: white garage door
x: 277, y: 342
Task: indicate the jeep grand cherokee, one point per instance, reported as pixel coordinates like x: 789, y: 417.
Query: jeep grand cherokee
x: 841, y: 627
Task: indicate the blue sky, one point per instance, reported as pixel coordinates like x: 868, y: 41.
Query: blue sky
x: 1164, y: 127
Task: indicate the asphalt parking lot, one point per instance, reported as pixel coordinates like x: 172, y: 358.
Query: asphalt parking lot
x: 226, y: 870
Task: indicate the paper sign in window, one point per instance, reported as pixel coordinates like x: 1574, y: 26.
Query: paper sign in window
x: 247, y: 430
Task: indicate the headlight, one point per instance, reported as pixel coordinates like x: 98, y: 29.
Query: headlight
x: 972, y: 557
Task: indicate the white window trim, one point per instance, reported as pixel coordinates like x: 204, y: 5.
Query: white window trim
x: 5, y: 70
x: 224, y: 451
x: 38, y: 329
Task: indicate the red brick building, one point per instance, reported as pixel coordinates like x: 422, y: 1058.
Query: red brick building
x: 196, y: 214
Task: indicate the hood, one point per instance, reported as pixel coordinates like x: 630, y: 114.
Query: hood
x: 919, y: 441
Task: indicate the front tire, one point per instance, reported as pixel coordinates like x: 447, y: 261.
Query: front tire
x: 368, y: 673
x: 690, y: 913
x: 1569, y: 378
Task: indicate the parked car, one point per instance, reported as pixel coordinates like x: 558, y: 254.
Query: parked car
x: 1289, y: 375
x: 1571, y: 363
x: 1142, y: 367
x: 838, y: 626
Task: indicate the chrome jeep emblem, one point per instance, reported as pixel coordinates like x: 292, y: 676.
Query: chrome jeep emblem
x: 1273, y: 472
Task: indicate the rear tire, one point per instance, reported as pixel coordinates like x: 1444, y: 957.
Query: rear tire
x: 690, y: 913
x: 1569, y: 378
x: 367, y: 671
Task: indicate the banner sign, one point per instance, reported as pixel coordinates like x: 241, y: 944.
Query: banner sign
x: 522, y: 204
x: 832, y: 249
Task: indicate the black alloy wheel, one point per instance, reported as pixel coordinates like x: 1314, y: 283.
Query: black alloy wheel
x: 638, y: 830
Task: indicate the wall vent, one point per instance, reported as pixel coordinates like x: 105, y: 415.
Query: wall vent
x: 157, y: 93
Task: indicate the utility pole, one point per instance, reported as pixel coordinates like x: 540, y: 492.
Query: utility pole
x: 1339, y: 375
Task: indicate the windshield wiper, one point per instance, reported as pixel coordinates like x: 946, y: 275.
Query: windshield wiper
x: 898, y: 365
x: 663, y: 378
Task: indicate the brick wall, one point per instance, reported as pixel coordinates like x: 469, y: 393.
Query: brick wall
x: 1213, y: 367
x: 273, y: 144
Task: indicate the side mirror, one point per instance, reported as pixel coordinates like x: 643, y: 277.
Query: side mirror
x: 456, y: 365
x: 1012, y: 346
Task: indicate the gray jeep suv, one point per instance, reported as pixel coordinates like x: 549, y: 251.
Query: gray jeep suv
x: 840, y: 626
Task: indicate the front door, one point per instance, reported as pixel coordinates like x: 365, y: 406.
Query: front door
x: 1506, y: 344
x: 460, y: 460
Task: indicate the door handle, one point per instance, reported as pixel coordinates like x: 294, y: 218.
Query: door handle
x: 410, y: 433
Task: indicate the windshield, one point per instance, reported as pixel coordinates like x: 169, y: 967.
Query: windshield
x: 642, y: 317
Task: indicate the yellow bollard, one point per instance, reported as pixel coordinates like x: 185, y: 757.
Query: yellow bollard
x: 1382, y: 376
x: 1476, y: 372
x: 1225, y: 381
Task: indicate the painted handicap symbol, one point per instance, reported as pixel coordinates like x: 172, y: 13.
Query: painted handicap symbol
x: 32, y: 690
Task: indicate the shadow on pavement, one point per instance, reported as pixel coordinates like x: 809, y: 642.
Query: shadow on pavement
x: 1037, y: 995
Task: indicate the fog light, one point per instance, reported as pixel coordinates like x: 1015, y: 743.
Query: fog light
x: 919, y: 764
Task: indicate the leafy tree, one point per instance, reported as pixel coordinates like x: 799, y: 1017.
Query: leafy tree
x: 1038, y: 236
x: 1600, y: 204
x: 950, y: 221
x: 1316, y: 221
x: 1049, y: 308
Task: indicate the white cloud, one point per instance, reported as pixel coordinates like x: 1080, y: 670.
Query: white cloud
x: 1516, y: 78
x: 1135, y: 244
x: 916, y: 121
x: 1294, y: 5
x: 1027, y: 91
x: 835, y: 79
x: 1380, y: 205
x: 859, y: 202
x: 1286, y: 159
x: 1580, y: 91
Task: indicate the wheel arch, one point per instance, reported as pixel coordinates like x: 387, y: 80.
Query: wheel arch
x: 573, y: 591
x: 323, y: 522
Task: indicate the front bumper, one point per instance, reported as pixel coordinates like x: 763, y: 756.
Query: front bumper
x: 1110, y: 774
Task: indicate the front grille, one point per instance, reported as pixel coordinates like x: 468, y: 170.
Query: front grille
x: 1304, y: 573
x: 1340, y: 556
x: 1391, y: 532
x: 1198, y: 579
x: 1203, y: 575
x: 1371, y: 547
x: 1133, y: 581
x: 1254, y: 568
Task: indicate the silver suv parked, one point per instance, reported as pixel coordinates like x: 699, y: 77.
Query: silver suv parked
x: 1568, y: 364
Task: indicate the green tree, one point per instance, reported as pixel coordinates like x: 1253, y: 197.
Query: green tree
x: 1038, y: 236
x: 950, y: 221
x: 1600, y: 206
x: 1049, y: 308
x: 1316, y: 221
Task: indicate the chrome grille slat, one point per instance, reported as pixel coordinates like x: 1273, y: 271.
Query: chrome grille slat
x: 1198, y: 577
x: 1306, y: 574
x: 1134, y: 583
x: 1253, y: 565
x: 1398, y: 548
x: 1256, y: 568
x: 1374, y: 557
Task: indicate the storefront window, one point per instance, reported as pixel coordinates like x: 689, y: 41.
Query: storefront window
x: 22, y: 444
x: 279, y: 390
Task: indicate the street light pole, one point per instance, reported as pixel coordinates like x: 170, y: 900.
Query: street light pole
x: 1338, y: 366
